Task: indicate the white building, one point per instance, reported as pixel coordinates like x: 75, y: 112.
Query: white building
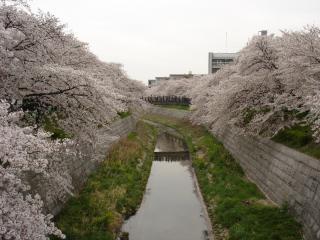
x: 218, y: 60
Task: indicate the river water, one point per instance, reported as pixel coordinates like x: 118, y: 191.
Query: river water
x: 172, y: 208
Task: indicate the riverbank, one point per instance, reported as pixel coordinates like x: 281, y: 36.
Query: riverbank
x: 112, y: 193
x: 238, y: 210
x: 172, y: 207
x: 236, y: 207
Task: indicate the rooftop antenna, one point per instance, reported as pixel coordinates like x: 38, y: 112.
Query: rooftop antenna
x: 226, y: 41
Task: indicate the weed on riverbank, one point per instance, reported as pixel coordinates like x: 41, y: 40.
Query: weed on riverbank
x: 238, y: 210
x: 112, y: 193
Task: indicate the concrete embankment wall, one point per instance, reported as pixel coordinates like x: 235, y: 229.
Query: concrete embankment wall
x: 93, y: 154
x: 83, y: 163
x: 283, y: 174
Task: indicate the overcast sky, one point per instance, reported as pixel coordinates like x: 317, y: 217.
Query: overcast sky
x: 158, y: 37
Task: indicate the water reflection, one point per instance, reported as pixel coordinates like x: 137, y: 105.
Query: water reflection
x: 169, y: 143
x: 170, y: 148
x: 171, y: 208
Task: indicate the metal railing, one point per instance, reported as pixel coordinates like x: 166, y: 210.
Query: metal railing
x: 168, y: 100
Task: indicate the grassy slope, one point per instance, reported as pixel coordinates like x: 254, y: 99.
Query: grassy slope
x: 124, y: 114
x: 236, y: 207
x: 113, y: 192
x: 300, y: 138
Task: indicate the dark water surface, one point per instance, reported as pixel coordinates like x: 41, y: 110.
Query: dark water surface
x: 171, y: 208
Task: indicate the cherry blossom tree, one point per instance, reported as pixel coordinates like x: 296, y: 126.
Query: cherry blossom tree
x: 46, y: 73
x: 43, y: 67
x: 21, y: 214
x: 177, y: 87
x: 273, y: 83
x: 22, y: 151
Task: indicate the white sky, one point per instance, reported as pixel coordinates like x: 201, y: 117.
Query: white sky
x: 158, y: 37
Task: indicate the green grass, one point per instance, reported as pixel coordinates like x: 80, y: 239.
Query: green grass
x: 52, y: 126
x: 112, y: 193
x: 238, y: 210
x: 299, y: 137
x: 175, y: 106
x: 124, y: 114
x: 48, y: 120
x: 250, y: 113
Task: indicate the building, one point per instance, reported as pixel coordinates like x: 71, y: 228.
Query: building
x: 263, y: 33
x: 157, y: 80
x: 218, y: 60
x: 180, y: 76
x: 152, y: 82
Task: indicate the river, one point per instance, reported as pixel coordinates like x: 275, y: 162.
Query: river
x: 172, y: 207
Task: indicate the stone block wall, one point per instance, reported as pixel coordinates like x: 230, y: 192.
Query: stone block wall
x: 283, y: 174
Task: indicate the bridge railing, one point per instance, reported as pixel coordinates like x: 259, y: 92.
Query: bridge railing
x: 168, y: 100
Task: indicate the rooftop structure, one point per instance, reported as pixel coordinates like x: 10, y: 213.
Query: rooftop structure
x: 218, y: 60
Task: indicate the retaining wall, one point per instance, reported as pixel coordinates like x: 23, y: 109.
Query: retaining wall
x: 80, y: 165
x: 93, y: 154
x: 283, y: 174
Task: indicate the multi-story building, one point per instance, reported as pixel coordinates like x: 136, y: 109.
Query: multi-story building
x: 218, y: 60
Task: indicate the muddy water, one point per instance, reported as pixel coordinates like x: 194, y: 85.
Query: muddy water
x: 171, y: 208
